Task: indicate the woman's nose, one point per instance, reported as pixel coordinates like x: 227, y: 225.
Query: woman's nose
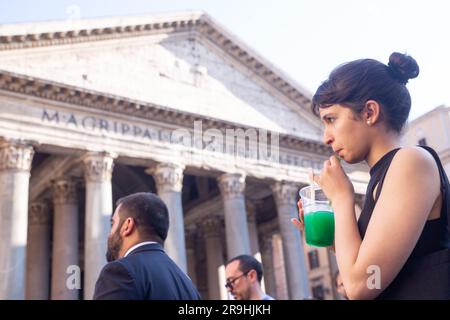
x: 327, y: 139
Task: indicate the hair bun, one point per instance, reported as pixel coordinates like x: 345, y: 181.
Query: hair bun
x: 403, y: 67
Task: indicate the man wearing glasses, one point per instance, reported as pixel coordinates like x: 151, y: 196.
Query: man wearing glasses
x: 243, y: 276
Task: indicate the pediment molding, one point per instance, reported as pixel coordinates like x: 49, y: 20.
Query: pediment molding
x: 197, y: 24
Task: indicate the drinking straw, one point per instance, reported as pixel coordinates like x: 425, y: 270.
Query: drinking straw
x: 311, y: 184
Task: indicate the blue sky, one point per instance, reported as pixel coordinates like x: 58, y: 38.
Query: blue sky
x: 304, y: 38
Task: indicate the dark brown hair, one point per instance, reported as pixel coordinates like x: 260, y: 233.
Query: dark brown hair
x: 354, y: 83
x: 247, y: 263
x: 149, y: 213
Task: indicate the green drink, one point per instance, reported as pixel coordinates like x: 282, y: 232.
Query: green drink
x: 319, y: 228
x: 318, y: 217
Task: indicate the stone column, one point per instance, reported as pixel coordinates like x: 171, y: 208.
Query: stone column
x: 236, y: 228
x: 267, y: 262
x: 98, y: 171
x: 65, y: 238
x: 285, y: 195
x: 15, y: 165
x: 253, y: 236
x: 253, y: 230
x: 214, y: 256
x: 38, y: 252
x: 191, y: 247
x: 169, y: 183
x: 279, y: 268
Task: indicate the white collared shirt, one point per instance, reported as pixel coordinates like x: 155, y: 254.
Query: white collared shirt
x: 137, y: 246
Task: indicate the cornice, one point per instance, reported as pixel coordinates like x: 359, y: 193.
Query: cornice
x: 49, y: 90
x: 54, y: 38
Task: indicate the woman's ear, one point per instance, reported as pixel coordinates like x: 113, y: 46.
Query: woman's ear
x: 372, y: 112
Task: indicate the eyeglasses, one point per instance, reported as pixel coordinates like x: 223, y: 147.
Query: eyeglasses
x: 230, y: 283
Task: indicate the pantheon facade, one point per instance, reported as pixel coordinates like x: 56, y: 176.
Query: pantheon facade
x: 93, y: 110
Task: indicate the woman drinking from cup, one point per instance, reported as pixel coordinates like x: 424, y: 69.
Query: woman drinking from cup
x: 399, y: 246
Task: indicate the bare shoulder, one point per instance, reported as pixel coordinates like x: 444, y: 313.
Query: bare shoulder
x: 417, y: 158
x: 415, y: 164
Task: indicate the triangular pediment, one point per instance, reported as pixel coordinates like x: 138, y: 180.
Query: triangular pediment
x: 183, y: 62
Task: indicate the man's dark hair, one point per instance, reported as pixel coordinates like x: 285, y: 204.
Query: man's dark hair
x: 149, y: 213
x: 247, y: 263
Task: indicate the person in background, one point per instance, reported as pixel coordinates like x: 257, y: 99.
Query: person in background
x: 243, y: 278
x: 138, y: 267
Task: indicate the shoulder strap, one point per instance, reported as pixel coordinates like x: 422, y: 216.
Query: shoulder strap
x: 379, y: 186
x: 444, y: 186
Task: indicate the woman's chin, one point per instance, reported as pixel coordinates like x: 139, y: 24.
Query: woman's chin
x: 345, y: 158
x: 351, y: 160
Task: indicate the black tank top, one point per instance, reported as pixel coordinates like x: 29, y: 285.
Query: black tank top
x: 426, y: 274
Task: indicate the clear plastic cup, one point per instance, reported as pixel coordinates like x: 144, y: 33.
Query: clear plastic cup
x: 318, y: 217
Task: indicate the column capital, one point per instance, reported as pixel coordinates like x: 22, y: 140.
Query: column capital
x: 39, y: 213
x: 15, y: 155
x: 285, y: 192
x: 98, y: 166
x: 64, y: 191
x: 212, y: 226
x: 168, y: 176
x: 231, y: 185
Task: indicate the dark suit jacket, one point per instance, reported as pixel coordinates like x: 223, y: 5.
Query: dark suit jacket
x: 147, y: 273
